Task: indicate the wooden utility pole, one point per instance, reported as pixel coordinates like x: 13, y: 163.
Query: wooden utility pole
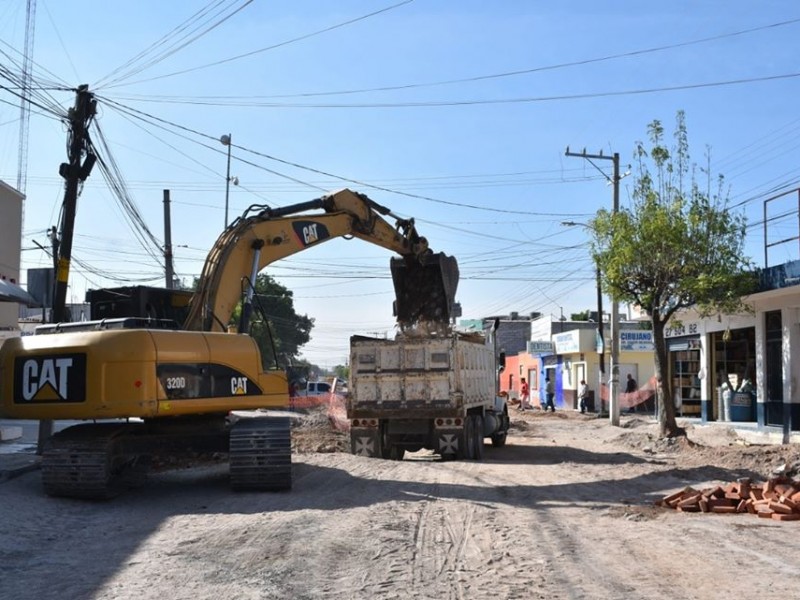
x: 74, y: 172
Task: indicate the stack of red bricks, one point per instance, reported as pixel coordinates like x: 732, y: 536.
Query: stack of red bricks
x: 777, y: 498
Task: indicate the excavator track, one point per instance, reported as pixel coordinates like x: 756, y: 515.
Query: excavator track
x: 85, y: 461
x: 261, y: 454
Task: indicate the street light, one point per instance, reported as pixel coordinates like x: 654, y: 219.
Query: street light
x: 601, y: 350
x: 226, y: 141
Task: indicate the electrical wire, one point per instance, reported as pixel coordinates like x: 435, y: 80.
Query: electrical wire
x: 272, y: 47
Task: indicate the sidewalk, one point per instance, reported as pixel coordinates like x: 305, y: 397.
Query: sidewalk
x: 16, y: 461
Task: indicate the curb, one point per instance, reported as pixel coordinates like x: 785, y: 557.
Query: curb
x: 14, y: 465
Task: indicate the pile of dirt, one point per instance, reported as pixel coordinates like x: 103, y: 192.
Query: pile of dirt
x: 316, y: 431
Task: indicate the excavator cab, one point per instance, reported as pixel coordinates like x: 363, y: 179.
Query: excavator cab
x: 425, y: 288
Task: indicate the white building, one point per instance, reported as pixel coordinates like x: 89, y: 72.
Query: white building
x: 10, y: 243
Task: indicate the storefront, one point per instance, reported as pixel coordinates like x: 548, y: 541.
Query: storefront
x: 712, y: 366
x: 734, y: 368
x: 685, y: 371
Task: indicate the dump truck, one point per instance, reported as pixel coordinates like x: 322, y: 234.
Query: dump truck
x: 144, y: 387
x: 434, y: 391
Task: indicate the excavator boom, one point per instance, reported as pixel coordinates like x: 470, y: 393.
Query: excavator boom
x: 424, y: 282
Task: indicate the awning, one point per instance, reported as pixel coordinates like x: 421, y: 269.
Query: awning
x: 10, y: 292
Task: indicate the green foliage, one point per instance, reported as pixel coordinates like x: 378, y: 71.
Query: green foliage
x: 580, y: 316
x: 342, y: 372
x: 678, y: 245
x: 284, y: 331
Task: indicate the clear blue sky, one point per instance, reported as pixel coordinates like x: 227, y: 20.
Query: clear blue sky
x: 459, y: 111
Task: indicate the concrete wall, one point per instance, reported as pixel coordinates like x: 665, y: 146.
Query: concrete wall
x: 10, y: 242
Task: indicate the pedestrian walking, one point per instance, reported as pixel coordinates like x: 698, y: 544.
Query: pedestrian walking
x: 524, y: 395
x: 549, y: 392
x: 583, y: 395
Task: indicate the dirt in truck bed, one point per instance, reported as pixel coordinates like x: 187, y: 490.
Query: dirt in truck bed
x: 565, y: 510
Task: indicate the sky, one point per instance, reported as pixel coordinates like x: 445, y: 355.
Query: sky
x: 456, y: 114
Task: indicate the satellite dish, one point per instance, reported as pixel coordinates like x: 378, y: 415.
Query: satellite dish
x: 225, y: 140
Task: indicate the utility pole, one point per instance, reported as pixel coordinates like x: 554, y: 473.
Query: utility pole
x: 613, y: 384
x: 170, y: 274
x: 601, y: 342
x: 75, y: 173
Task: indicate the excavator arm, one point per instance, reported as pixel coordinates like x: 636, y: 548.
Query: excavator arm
x: 424, y: 282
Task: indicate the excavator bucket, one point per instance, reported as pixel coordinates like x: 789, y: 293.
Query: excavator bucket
x: 424, y: 290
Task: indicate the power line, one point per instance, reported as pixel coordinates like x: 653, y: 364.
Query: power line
x: 273, y: 46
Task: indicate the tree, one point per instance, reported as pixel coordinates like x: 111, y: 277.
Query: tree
x: 580, y: 316
x: 284, y: 331
x: 677, y: 246
x: 342, y: 372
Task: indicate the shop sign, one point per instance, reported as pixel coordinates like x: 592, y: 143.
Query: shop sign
x: 567, y: 342
x: 636, y: 341
x: 681, y: 329
x: 541, y: 347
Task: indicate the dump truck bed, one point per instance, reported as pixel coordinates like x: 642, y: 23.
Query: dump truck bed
x: 415, y: 376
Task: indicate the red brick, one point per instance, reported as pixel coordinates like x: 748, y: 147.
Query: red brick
x: 723, y: 509
x: 783, y: 517
x: 765, y: 514
x: 717, y: 492
x: 756, y: 494
x: 690, y: 501
x: 780, y: 508
x: 712, y: 502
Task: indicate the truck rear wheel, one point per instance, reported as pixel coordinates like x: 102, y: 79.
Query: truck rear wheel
x: 469, y: 438
x: 394, y: 453
x: 478, y: 437
x: 499, y: 437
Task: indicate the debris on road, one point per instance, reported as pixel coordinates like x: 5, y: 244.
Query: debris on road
x: 777, y: 498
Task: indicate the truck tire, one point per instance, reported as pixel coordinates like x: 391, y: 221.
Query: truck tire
x: 469, y: 438
x: 499, y: 437
x: 478, y: 437
x: 394, y: 453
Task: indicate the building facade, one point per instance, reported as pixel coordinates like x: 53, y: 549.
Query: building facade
x: 10, y: 243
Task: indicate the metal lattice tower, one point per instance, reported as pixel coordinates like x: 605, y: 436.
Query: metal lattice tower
x: 24, y: 105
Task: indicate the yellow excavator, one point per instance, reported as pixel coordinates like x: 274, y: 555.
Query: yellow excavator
x: 144, y: 387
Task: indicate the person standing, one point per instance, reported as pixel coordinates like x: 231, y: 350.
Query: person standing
x: 550, y: 392
x: 524, y: 395
x: 630, y: 388
x: 583, y: 395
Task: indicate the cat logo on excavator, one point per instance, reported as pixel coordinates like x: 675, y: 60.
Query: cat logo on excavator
x: 51, y: 378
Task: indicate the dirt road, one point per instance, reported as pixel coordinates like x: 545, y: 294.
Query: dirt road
x: 565, y: 510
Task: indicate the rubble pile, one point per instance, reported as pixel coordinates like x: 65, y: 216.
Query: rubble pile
x: 776, y: 498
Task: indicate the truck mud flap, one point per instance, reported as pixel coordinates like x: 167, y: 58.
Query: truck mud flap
x: 366, y: 441
x: 425, y: 290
